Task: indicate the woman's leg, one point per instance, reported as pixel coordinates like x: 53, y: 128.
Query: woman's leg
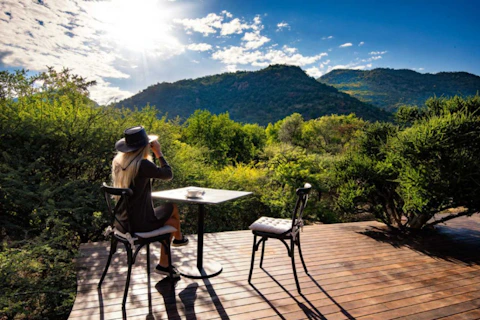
x: 168, y: 214
x: 173, y: 221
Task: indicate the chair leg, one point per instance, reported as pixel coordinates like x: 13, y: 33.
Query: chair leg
x: 301, y: 255
x: 113, y: 249
x: 148, y: 259
x: 253, y: 258
x: 129, y: 272
x: 263, y: 251
x: 292, y: 250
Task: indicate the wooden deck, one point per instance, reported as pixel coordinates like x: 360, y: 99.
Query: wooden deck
x: 356, y: 272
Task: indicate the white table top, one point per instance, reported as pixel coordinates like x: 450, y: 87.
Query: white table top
x: 211, y: 196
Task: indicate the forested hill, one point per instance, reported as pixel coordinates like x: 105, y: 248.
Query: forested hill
x: 389, y: 88
x: 262, y: 97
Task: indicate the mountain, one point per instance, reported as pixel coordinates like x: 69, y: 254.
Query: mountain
x: 388, y: 88
x: 262, y: 97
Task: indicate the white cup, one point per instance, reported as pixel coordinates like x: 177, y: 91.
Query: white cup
x: 194, y: 192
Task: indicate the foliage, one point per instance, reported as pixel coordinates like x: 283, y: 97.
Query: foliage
x: 438, y: 161
x: 407, y: 176
x: 390, y: 89
x: 262, y: 97
x: 290, y: 130
x: 38, y: 280
x: 242, y: 212
x: 331, y: 134
x: 56, y: 151
x: 226, y: 140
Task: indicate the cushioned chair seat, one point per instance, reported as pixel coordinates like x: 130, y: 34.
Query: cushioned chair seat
x: 157, y: 232
x: 148, y: 234
x: 271, y: 225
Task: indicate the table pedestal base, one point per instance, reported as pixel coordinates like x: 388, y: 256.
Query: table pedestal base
x: 189, y: 269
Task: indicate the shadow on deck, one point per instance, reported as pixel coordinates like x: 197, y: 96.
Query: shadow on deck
x: 456, y: 242
x: 357, y: 271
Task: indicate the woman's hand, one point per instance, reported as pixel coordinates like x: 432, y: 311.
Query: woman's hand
x: 156, y: 148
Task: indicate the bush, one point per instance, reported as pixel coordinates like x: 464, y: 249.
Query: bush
x: 407, y: 176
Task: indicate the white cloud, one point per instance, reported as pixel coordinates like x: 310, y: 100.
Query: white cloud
x: 289, y: 50
x: 352, y: 65
x: 421, y: 69
x: 372, y: 59
x: 104, y: 93
x: 254, y: 40
x: 227, y: 14
x: 282, y: 25
x: 345, y: 45
x: 199, y: 47
x: 206, y: 25
x: 323, y: 64
x: 231, y: 68
x: 377, y: 52
x: 213, y: 23
x: 361, y: 43
x: 235, y: 55
x: 257, y: 23
x: 314, y: 72
x: 280, y: 57
x: 327, y: 38
x: 234, y: 26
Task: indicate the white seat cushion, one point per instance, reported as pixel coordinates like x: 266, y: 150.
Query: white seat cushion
x: 271, y: 225
x: 156, y: 232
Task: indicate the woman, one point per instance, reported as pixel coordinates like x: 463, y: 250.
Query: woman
x: 133, y: 168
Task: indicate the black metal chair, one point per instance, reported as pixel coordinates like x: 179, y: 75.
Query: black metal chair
x: 283, y: 230
x: 131, y: 239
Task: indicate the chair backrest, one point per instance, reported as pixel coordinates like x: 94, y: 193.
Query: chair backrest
x: 121, y: 205
x: 302, y: 199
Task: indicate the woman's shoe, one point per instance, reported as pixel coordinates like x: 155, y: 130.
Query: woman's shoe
x: 165, y: 271
x: 181, y: 242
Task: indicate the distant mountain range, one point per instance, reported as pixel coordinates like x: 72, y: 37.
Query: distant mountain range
x: 262, y: 97
x: 388, y: 88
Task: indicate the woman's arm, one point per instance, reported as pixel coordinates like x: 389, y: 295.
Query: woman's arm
x: 150, y: 170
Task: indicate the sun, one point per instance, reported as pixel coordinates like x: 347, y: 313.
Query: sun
x: 141, y: 26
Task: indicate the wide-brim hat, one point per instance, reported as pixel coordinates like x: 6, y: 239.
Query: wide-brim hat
x: 135, y: 138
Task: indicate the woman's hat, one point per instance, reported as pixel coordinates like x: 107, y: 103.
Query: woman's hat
x: 135, y: 138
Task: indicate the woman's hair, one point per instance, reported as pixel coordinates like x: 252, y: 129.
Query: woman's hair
x: 125, y: 166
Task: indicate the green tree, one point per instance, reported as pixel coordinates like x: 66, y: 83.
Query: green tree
x: 331, y: 134
x: 227, y: 141
x: 272, y: 132
x: 407, y: 176
x: 290, y: 130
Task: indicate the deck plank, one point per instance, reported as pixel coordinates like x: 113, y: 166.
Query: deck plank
x: 355, y: 272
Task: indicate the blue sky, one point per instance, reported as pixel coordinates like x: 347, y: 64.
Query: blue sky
x: 128, y: 45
